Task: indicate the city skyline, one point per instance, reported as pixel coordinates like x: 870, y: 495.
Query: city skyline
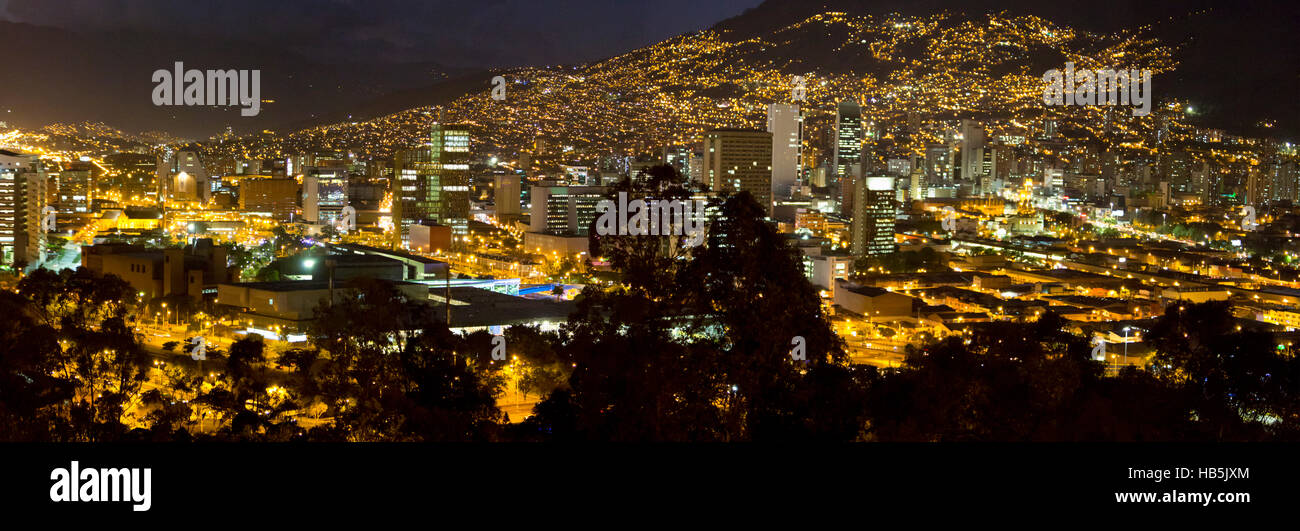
x: 800, y: 224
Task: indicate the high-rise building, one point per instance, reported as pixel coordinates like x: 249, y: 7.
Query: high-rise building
x: 273, y: 195
x: 681, y: 158
x: 564, y: 210
x: 1284, y: 180
x: 182, y: 177
x: 324, y: 194
x: 507, y: 196
x: 22, y: 200
x: 431, y: 183
x: 848, y: 188
x: 737, y: 160
x: 872, y: 232
x: 973, y: 164
x: 785, y: 122
x: 848, y: 137
x: 73, y: 190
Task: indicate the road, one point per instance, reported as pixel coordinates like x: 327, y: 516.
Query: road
x: 514, y: 403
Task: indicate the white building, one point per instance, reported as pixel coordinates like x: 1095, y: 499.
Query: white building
x: 785, y: 122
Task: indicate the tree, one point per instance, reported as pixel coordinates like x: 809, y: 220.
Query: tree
x: 99, y: 357
x: 29, y: 353
x: 1021, y: 382
x: 695, y: 345
x: 390, y: 370
x: 1237, y: 378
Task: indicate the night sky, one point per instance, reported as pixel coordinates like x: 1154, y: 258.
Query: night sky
x: 477, y: 34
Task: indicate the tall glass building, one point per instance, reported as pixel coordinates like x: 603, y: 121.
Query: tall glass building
x: 431, y: 184
x: 848, y: 138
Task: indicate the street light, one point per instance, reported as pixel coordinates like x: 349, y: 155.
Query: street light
x: 1126, y: 344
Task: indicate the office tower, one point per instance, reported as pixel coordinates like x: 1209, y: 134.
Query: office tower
x: 848, y: 189
x: 431, y: 184
x: 817, y: 177
x: 580, y: 175
x: 1049, y: 128
x: 916, y: 185
x: 272, y: 195
x: 1284, y: 178
x: 680, y: 158
x: 299, y: 164
x: 564, y: 210
x: 1176, y: 167
x: 1259, y: 189
x: 972, y: 151
x: 507, y: 195
x: 72, y: 191
x: 872, y: 232
x: 182, y: 177
x: 1054, y: 181
x: 737, y: 160
x: 848, y: 137
x: 785, y: 123
x: 324, y: 194
x: 22, y: 200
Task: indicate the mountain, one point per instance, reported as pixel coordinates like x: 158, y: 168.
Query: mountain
x: 1238, y: 66
x: 56, y: 75
x: 943, y: 65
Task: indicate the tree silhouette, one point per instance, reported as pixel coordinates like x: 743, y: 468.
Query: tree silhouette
x: 695, y: 343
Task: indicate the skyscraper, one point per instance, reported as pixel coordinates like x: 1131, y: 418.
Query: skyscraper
x: 737, y: 160
x: 22, y: 199
x: 785, y: 122
x: 431, y: 183
x: 73, y: 191
x: 507, y: 196
x: 182, y: 177
x: 972, y: 152
x: 872, y: 232
x: 275, y: 195
x: 324, y: 194
x: 564, y: 210
x: 848, y: 137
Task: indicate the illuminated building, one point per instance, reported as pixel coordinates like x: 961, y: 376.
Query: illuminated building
x: 22, y: 198
x: 785, y: 122
x: 848, y: 138
x: 973, y: 165
x: 564, y: 210
x: 872, y: 232
x: 431, y: 183
x: 182, y: 177
x: 193, y: 271
x: 506, y: 191
x: 324, y: 194
x: 275, y: 196
x: 71, y: 190
x: 737, y: 160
